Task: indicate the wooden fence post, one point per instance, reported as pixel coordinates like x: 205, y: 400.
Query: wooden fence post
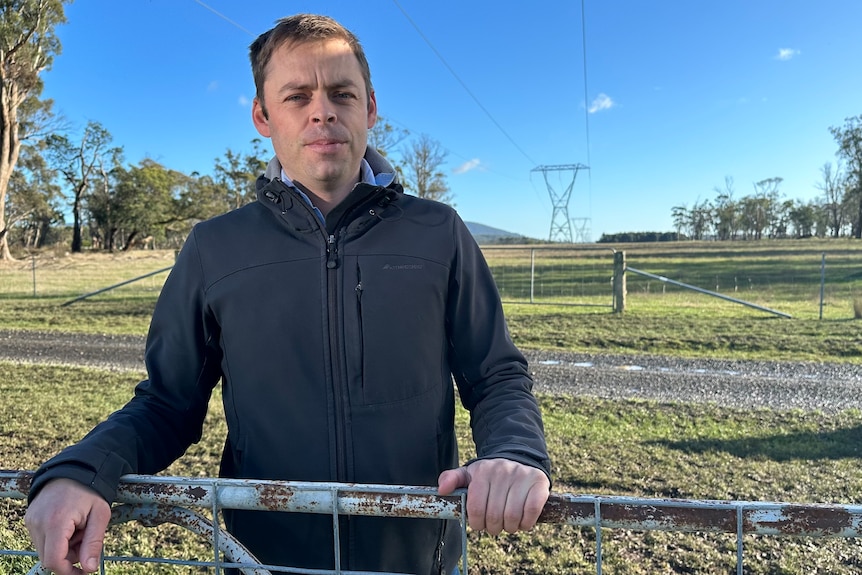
x: 619, y: 282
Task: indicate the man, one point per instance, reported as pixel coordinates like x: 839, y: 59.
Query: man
x: 335, y: 310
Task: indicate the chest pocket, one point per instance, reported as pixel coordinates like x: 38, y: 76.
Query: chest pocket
x: 398, y: 320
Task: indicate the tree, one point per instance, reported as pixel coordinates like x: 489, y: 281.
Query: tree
x: 700, y: 219
x: 763, y: 209
x: 33, y: 198
x: 680, y: 219
x: 803, y: 217
x: 383, y: 137
x: 237, y: 174
x: 849, y: 139
x: 725, y: 211
x: 79, y: 164
x: 422, y: 174
x: 832, y: 186
x: 27, y: 48
x: 135, y: 202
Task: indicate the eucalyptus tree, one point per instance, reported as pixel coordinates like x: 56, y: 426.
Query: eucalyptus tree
x: 237, y: 173
x: 27, y: 48
x: 832, y: 184
x: 849, y: 139
x: 423, y: 176
x: 82, y: 165
x: 384, y: 137
x: 725, y: 211
x: 134, y: 203
x: 33, y: 202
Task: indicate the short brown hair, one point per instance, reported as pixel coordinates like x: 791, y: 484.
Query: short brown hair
x: 301, y: 28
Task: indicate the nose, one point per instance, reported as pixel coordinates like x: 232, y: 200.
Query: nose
x: 323, y: 114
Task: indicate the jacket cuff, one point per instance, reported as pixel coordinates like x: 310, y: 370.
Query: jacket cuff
x: 103, y: 479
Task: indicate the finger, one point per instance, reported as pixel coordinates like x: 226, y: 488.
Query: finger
x: 497, y: 508
x: 452, y: 479
x: 94, y: 537
x: 477, y: 503
x: 56, y: 553
x: 534, y: 505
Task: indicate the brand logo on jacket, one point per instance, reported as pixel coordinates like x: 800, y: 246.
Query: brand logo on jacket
x: 403, y: 266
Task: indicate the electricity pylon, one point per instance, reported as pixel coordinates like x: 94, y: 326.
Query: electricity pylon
x: 561, y: 227
x: 582, y: 230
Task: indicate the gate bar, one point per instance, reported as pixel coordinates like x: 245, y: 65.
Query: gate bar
x: 707, y: 292
x: 634, y: 513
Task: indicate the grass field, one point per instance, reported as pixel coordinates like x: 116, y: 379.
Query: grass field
x: 659, y: 318
x: 633, y: 448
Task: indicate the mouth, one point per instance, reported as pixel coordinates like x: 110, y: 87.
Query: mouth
x: 325, y: 145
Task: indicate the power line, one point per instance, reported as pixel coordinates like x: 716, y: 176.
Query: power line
x: 460, y: 81
x: 587, y: 110
x: 225, y: 18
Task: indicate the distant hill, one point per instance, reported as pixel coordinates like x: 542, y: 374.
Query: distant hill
x: 487, y: 235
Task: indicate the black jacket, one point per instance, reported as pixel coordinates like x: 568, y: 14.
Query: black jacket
x: 336, y: 348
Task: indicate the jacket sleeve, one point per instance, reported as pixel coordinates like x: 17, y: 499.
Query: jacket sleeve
x: 165, y: 415
x: 492, y: 376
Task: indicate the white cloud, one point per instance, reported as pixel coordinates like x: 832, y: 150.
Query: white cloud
x: 467, y: 166
x: 244, y: 101
x: 213, y: 86
x: 602, y: 102
x: 786, y: 54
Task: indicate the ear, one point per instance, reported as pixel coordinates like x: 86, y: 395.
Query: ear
x: 372, y: 109
x: 259, y: 117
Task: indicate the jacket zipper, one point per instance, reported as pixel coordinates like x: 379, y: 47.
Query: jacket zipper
x: 338, y: 375
x: 359, y: 289
x: 339, y: 381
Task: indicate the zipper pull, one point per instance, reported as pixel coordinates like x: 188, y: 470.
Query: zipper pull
x: 331, y: 253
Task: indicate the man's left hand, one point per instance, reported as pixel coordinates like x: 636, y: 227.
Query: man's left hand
x: 501, y: 494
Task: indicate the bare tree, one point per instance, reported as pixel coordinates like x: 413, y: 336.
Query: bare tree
x: 422, y: 173
x: 832, y: 187
x: 27, y: 48
x: 79, y: 163
x: 384, y: 137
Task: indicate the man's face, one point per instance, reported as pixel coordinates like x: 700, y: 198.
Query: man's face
x: 317, y: 114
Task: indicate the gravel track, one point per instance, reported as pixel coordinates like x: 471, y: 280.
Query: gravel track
x: 828, y: 387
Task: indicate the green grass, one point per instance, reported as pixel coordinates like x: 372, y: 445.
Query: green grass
x: 598, y: 446
x: 659, y: 318
x: 635, y: 448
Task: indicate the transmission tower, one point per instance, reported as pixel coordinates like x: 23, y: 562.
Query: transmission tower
x: 561, y: 227
x: 582, y: 230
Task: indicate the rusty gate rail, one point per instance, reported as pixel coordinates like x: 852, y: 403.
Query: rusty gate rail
x: 633, y: 513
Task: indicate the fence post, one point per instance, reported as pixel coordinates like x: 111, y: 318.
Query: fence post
x: 822, y: 281
x: 619, y: 282
x: 33, y: 268
x: 532, y: 274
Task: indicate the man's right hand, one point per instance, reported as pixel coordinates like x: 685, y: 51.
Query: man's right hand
x: 67, y: 523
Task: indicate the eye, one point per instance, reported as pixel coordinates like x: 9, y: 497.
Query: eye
x: 344, y: 96
x: 295, y: 98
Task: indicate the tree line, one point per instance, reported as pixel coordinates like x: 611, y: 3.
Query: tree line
x: 49, y: 172
x: 767, y: 213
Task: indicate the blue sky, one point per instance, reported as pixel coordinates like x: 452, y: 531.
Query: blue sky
x: 677, y: 94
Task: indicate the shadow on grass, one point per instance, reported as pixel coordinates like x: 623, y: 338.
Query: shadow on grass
x: 838, y: 444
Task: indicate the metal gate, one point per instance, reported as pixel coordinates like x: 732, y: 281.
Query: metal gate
x: 154, y: 500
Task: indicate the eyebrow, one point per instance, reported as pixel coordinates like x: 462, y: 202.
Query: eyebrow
x: 290, y: 86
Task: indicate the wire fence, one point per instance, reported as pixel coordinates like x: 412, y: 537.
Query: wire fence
x: 814, y: 281
x: 153, y: 501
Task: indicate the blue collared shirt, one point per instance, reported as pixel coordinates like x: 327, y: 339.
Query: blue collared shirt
x: 367, y: 177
